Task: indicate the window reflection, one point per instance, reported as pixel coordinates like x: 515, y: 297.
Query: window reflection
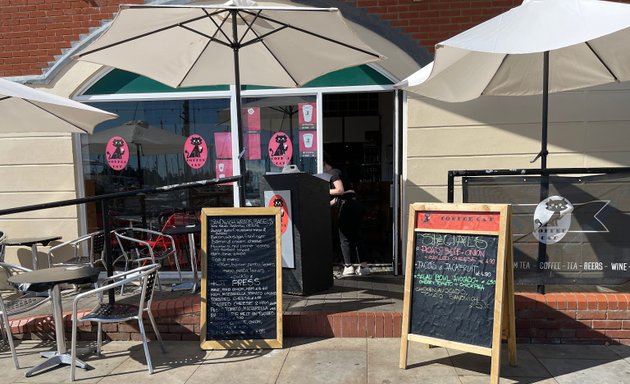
x: 278, y: 131
x: 176, y: 141
x: 165, y: 140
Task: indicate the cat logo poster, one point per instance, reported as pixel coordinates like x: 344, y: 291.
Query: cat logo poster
x: 117, y: 153
x: 282, y: 199
x: 278, y: 202
x: 195, y: 151
x: 280, y: 149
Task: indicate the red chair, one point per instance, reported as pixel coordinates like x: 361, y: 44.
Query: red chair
x: 181, y: 242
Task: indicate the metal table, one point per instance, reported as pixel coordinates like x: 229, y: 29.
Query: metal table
x: 32, y: 242
x: 52, y: 278
x: 189, y: 230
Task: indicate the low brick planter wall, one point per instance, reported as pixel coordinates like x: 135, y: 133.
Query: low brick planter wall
x: 573, y: 318
x: 559, y: 318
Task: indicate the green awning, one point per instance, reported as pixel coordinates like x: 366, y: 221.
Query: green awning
x: 118, y: 81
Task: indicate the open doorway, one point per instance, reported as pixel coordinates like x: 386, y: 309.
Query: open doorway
x: 358, y: 132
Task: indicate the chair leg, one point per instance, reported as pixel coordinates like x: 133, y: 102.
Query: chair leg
x: 145, y: 345
x: 99, y: 338
x: 155, y: 329
x: 158, y: 281
x: 179, y: 270
x: 7, y: 328
x: 73, y: 347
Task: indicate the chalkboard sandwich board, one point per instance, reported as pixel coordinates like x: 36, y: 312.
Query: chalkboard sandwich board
x: 241, y: 288
x: 459, y: 280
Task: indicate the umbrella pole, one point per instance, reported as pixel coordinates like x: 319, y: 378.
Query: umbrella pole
x: 544, y: 178
x: 239, y: 118
x: 143, y: 206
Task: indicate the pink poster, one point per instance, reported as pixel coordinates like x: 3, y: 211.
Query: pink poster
x: 223, y: 145
x: 308, y: 143
x: 253, y: 146
x: 280, y: 149
x: 195, y: 151
x: 117, y: 153
x: 307, y: 115
x: 251, y: 119
x: 223, y: 168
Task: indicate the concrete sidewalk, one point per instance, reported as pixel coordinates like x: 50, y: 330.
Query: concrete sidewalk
x: 335, y: 360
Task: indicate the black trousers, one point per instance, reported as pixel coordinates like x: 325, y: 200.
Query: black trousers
x: 350, y: 235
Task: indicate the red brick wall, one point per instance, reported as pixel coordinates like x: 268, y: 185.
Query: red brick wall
x: 556, y: 318
x: 33, y: 32
x: 432, y: 21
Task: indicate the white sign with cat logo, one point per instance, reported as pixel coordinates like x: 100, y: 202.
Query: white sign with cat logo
x: 552, y: 219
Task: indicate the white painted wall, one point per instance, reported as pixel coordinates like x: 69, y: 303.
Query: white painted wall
x: 588, y: 128
x: 38, y: 168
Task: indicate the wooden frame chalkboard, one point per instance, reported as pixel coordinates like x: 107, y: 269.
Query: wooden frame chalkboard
x: 459, y: 280
x: 241, y: 287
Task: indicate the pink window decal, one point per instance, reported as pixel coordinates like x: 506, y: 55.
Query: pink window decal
x: 117, y: 153
x: 195, y: 151
x: 280, y: 149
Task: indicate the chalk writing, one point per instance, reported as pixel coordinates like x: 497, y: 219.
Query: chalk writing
x: 241, y: 278
x: 453, y: 286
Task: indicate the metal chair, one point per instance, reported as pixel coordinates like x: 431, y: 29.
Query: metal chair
x: 14, y: 302
x: 140, y: 246
x: 95, y: 243
x: 178, y: 219
x: 118, y: 312
x: 3, y: 238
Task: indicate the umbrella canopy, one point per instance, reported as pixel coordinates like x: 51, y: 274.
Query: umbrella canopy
x: 235, y: 43
x: 149, y: 140
x: 586, y: 39
x: 195, y: 45
x: 24, y: 109
x: 538, y: 47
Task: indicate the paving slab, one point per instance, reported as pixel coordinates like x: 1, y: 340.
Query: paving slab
x: 331, y: 360
x: 425, y: 365
x: 581, y: 371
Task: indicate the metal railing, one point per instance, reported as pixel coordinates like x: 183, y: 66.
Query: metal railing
x: 104, y: 200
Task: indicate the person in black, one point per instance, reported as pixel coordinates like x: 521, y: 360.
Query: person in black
x: 349, y: 222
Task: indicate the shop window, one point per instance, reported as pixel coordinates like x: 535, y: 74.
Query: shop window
x: 278, y: 132
x: 158, y: 150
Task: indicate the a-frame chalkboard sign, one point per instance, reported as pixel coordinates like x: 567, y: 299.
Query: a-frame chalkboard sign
x: 241, y: 287
x: 459, y: 290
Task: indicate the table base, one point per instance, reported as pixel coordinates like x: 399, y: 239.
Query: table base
x: 54, y: 359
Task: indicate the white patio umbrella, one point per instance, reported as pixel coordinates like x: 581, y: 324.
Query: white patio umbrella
x: 234, y: 43
x: 24, y: 109
x: 538, y: 47
x: 147, y: 139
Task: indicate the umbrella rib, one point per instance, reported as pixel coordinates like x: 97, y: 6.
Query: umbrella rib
x: 260, y: 39
x: 152, y: 32
x: 249, y: 26
x: 218, y: 26
x: 331, y: 40
x: 211, y: 38
x: 279, y: 63
x: 602, y: 61
x: 55, y: 115
x: 190, y: 68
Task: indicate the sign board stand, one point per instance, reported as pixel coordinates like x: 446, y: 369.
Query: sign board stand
x: 459, y: 282
x: 241, y: 286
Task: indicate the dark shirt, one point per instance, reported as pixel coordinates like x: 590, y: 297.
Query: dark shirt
x: 335, y: 175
